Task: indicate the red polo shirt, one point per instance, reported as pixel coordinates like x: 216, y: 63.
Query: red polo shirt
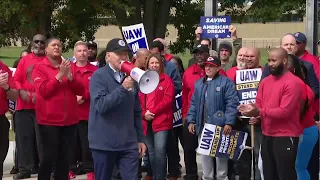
x: 3, y: 95
x: 83, y: 75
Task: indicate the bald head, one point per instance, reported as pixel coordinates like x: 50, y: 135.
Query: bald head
x: 141, y: 57
x: 241, y: 58
x: 288, y: 42
x: 281, y: 52
x: 253, y: 57
x: 278, y: 59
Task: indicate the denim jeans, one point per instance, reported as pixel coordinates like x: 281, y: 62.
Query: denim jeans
x: 308, y: 141
x: 157, y: 145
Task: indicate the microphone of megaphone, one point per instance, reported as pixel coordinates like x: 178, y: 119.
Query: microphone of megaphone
x: 147, y: 80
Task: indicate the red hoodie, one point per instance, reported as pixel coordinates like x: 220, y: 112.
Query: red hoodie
x: 22, y: 78
x: 56, y: 102
x: 159, y: 102
x: 3, y: 95
x: 83, y: 75
x: 278, y: 99
x: 190, y: 76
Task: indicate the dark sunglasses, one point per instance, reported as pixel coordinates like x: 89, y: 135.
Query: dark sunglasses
x: 39, y: 41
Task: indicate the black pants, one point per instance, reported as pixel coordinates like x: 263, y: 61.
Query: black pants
x: 36, y: 154
x: 279, y: 157
x: 190, y: 155
x: 173, y: 151
x: 313, y: 166
x: 55, y: 143
x: 4, y: 140
x: 26, y: 131
x: 81, y: 137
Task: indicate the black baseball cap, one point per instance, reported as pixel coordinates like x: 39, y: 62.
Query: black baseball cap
x: 117, y: 45
x: 201, y: 48
x: 92, y: 44
x: 212, y: 60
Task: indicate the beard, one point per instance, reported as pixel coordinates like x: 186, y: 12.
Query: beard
x: 38, y: 51
x: 276, y: 71
x: 241, y: 65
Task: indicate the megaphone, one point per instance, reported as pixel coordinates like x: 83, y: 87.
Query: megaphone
x: 147, y: 80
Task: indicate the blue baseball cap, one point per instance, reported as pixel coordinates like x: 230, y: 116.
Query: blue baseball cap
x: 300, y: 37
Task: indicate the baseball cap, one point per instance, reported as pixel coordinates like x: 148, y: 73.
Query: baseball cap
x: 201, y: 48
x: 92, y: 44
x: 300, y: 37
x: 117, y: 45
x: 212, y: 60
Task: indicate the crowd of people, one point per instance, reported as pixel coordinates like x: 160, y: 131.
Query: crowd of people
x: 82, y: 115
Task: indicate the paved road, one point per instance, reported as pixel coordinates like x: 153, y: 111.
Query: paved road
x: 9, y: 163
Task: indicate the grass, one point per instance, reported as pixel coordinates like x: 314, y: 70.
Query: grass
x: 10, y: 54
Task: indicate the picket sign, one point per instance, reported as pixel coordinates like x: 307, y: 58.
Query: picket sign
x: 215, y: 144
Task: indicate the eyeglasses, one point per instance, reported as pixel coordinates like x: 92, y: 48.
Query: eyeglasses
x: 39, y: 41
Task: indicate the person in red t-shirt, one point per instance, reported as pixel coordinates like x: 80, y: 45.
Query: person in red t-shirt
x: 7, y: 91
x: 26, y: 130
x: 82, y: 70
x: 278, y: 104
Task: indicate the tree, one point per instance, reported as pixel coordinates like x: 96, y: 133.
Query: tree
x: 69, y: 20
x: 262, y: 10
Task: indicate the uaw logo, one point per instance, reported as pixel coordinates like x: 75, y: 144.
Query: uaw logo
x: 89, y: 78
x: 160, y: 88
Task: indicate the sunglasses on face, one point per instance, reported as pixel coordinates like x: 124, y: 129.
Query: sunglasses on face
x: 39, y: 41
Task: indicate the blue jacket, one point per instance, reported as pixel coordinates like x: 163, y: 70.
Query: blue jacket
x: 311, y: 76
x: 115, y: 121
x: 221, y: 104
x: 172, y: 71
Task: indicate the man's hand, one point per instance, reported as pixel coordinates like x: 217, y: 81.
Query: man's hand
x: 254, y: 120
x: 128, y: 83
x: 4, y: 80
x: 142, y: 149
x: 149, y: 116
x: 227, y: 129
x: 250, y: 110
x: 191, y: 128
x: 24, y: 95
x: 233, y: 31
x: 80, y: 100
x: 198, y: 32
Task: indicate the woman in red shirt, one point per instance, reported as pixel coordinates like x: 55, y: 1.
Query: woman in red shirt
x: 310, y: 132
x: 157, y: 113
